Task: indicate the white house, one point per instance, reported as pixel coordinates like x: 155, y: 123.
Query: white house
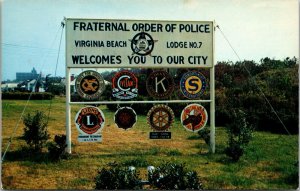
x: 9, y: 86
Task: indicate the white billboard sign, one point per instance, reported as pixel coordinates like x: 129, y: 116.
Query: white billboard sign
x: 99, y: 43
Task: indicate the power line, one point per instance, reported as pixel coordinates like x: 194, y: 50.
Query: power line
x: 50, y: 105
x: 59, y: 49
x: 253, y: 79
x: 25, y: 46
x: 23, y: 50
x: 25, y: 107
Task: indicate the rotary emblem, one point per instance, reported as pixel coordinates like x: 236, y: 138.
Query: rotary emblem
x: 125, y: 117
x: 192, y: 84
x: 194, y: 117
x: 142, y: 44
x: 160, y: 117
x: 90, y: 85
x: 160, y: 84
x: 124, y: 85
x: 89, y: 120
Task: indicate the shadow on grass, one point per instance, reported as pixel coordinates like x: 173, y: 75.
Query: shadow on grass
x: 26, y: 154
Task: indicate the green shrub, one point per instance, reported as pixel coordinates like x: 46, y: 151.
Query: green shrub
x: 35, y: 131
x: 57, y: 149
x: 117, y: 177
x: 170, y: 176
x: 59, y: 89
x: 234, y: 150
x: 205, y: 135
x: 239, y: 135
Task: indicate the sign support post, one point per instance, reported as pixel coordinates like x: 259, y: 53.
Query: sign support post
x: 212, y: 110
x: 212, y: 95
x: 68, y: 112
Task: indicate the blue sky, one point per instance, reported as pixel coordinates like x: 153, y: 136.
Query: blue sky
x: 256, y: 28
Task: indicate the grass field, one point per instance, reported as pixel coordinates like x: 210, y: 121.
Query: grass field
x: 270, y: 161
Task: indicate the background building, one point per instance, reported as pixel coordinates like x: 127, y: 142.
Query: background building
x: 23, y: 76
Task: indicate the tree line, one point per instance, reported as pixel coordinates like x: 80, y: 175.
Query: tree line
x: 259, y: 89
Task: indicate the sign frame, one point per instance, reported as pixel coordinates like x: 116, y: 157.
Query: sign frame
x: 211, y: 100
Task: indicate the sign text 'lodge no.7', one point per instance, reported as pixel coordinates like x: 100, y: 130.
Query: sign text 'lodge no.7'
x: 118, y: 43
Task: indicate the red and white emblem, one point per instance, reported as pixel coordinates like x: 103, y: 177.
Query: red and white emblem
x: 89, y: 120
x: 124, y: 85
x: 194, y: 117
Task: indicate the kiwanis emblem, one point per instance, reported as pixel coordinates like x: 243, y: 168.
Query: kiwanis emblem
x: 160, y: 117
x: 192, y: 84
x: 160, y: 84
x: 90, y: 85
x: 89, y: 120
x: 124, y: 85
x: 194, y: 117
x: 125, y: 117
x: 142, y: 44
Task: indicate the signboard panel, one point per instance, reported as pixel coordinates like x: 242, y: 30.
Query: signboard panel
x: 102, y: 43
x: 96, y: 43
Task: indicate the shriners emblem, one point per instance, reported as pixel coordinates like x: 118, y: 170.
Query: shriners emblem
x: 124, y: 85
x: 90, y: 85
x: 194, y: 117
x: 125, y: 117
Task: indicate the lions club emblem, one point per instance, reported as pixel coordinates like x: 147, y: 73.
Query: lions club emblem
x: 89, y: 120
x: 124, y: 85
x: 194, y: 117
x: 90, y: 85
x: 192, y: 84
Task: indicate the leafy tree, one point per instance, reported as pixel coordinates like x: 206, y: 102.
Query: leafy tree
x: 35, y: 131
x: 277, y: 79
x: 54, y: 85
x: 57, y: 89
x: 239, y: 134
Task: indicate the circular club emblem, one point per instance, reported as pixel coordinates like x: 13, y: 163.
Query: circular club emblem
x: 142, y: 44
x: 89, y: 120
x: 192, y: 84
x: 194, y: 117
x: 160, y: 117
x: 160, y: 84
x: 125, y: 117
x: 90, y: 85
x: 124, y: 85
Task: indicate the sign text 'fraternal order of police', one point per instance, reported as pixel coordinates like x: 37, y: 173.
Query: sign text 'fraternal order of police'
x: 128, y: 43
